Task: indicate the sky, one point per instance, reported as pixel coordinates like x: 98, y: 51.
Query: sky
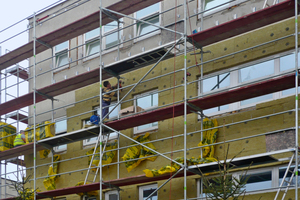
x: 11, y: 12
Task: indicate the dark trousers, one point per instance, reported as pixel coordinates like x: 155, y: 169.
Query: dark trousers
x: 105, y: 110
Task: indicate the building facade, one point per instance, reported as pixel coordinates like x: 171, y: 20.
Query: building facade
x: 258, y: 123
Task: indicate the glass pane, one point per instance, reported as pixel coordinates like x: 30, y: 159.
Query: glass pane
x: 150, y: 125
x: 216, y: 82
x: 155, y: 99
x: 216, y: 109
x: 62, y: 59
x: 146, y: 28
x: 110, y: 26
x: 281, y: 174
x: 257, y: 71
x: 113, y: 197
x: 92, y: 34
x: 289, y: 91
x: 147, y: 11
x: 257, y: 99
x: 288, y: 62
x: 114, y: 112
x: 259, y: 181
x: 213, y: 3
x: 60, y: 147
x: 93, y: 47
x: 62, y: 46
x: 61, y: 126
x: 147, y: 192
x: 90, y: 140
x: 111, y: 39
x: 144, y: 102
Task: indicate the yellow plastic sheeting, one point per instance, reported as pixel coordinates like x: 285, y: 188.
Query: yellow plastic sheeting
x: 43, y: 130
x: 49, y: 182
x: 138, y: 151
x: 107, y: 156
x: 29, y: 193
x: 209, y: 137
x: 7, y: 142
x: 91, y: 193
x: 44, y: 153
x: 166, y: 169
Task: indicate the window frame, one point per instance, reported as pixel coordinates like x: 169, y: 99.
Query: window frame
x: 106, y: 196
x: 59, y: 149
x: 96, y: 39
x: 58, y: 54
x: 145, y: 18
x: 218, y: 9
x: 235, y: 83
x: 155, y: 91
x: 143, y: 187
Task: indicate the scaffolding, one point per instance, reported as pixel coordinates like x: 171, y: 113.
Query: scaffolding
x: 184, y: 42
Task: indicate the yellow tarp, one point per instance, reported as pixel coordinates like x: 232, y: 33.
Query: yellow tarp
x: 7, y: 130
x: 166, y: 169
x: 209, y: 137
x: 107, y: 156
x: 43, y: 130
x: 138, y: 151
x: 29, y: 193
x: 91, y: 193
x: 44, y: 153
x: 49, y: 182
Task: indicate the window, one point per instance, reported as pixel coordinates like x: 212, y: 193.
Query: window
x: 110, y: 38
x: 205, y: 191
x: 61, y: 55
x: 287, y: 179
x: 151, y: 15
x: 145, y: 191
x: 60, y: 128
x: 258, y: 180
x: 113, y: 115
x: 215, y: 83
x: 112, y: 195
x: 213, y: 6
x: 146, y: 101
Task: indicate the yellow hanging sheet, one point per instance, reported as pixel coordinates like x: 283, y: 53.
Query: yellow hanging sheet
x: 166, y: 169
x: 49, y: 182
x: 138, y: 151
x: 107, y: 156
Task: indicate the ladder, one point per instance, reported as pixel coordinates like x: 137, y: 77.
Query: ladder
x: 105, y: 139
x: 290, y: 179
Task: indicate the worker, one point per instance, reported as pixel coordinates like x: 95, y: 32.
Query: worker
x: 95, y: 119
x: 106, y: 99
x: 20, y: 139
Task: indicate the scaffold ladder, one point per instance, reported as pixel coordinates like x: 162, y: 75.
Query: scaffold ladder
x: 290, y: 179
x: 105, y: 139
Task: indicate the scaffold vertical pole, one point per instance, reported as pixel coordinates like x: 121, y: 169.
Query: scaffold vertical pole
x: 296, y: 99
x: 100, y: 100
x: 185, y: 99
x: 34, y: 107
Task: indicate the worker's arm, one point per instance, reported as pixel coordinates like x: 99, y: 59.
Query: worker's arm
x: 23, y: 138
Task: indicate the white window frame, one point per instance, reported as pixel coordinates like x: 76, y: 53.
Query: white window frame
x: 234, y: 82
x: 113, y: 135
x: 218, y: 9
x: 56, y: 54
x: 111, y: 192
x: 136, y: 131
x: 63, y: 147
x: 145, y: 18
x: 142, y: 188
x: 274, y: 179
x: 96, y: 39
